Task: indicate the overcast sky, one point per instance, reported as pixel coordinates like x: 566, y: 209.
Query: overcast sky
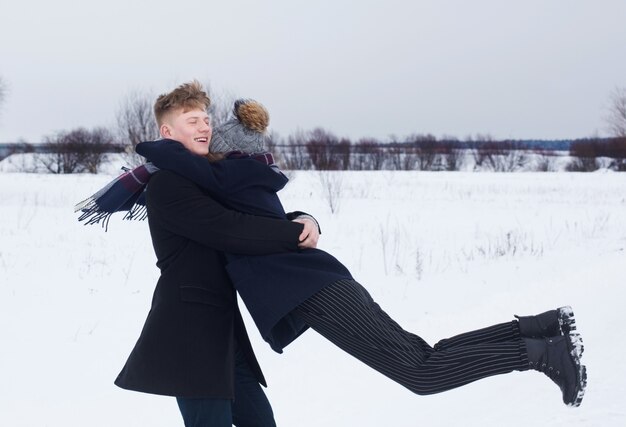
x: 531, y: 69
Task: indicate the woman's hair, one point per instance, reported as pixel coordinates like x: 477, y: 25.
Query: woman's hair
x: 215, y: 157
x: 188, y: 96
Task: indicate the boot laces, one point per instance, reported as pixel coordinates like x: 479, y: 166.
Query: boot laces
x: 548, y: 370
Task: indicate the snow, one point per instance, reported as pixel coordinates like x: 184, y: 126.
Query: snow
x: 440, y: 252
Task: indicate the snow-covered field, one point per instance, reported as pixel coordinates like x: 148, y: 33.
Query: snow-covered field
x: 441, y: 252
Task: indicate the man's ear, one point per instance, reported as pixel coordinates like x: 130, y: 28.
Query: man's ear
x: 165, y: 131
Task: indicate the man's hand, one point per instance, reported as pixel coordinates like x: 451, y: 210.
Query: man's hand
x: 310, y: 234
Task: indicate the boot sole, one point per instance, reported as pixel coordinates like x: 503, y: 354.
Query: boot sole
x: 582, y: 385
x: 576, y: 348
x: 568, y: 328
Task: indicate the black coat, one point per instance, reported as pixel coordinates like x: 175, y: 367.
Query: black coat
x: 187, y: 343
x: 272, y: 285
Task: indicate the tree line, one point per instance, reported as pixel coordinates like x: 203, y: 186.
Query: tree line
x: 83, y: 150
x: 321, y: 150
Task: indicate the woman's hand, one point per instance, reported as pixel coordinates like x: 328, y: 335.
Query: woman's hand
x: 310, y: 234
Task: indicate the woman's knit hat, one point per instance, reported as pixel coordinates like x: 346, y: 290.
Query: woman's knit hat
x: 245, y: 132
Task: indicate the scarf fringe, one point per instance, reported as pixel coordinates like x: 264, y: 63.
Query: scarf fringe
x: 137, y: 213
x: 92, y: 214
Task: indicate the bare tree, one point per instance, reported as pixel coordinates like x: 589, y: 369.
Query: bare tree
x: 136, y: 123
x: 480, y: 148
x: 326, y: 151
x: 99, y: 141
x: 453, y: 158
x: 513, y: 158
x: 451, y: 153
x: 426, y: 151
x: 76, y: 151
x: 369, y: 155
x: 295, y: 154
x: 586, y: 152
x: 401, y: 156
x: 544, y: 160
x: 272, y: 142
x: 343, y: 151
x: 222, y: 104
x: 584, y: 155
x: 497, y: 156
x: 616, y: 150
x: 396, y: 152
x: 617, y: 112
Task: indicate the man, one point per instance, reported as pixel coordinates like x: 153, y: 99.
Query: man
x: 194, y: 344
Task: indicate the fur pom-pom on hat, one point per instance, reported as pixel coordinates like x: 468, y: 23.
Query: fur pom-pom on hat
x: 245, y: 132
x: 252, y: 114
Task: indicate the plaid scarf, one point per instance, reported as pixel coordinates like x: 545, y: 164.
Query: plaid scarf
x: 126, y: 193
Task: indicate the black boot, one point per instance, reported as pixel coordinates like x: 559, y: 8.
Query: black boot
x: 550, y: 324
x: 556, y: 358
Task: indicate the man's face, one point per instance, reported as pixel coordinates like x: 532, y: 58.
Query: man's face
x: 192, y: 129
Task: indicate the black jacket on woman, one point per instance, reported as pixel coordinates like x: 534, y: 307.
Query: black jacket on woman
x: 272, y: 285
x: 186, y: 347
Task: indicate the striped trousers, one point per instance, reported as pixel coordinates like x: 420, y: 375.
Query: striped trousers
x: 346, y: 315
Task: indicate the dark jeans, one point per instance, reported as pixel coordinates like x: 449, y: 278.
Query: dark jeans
x: 249, y: 409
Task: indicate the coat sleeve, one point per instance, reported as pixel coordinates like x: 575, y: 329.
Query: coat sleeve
x: 185, y: 210
x: 299, y: 214
x: 220, y: 178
